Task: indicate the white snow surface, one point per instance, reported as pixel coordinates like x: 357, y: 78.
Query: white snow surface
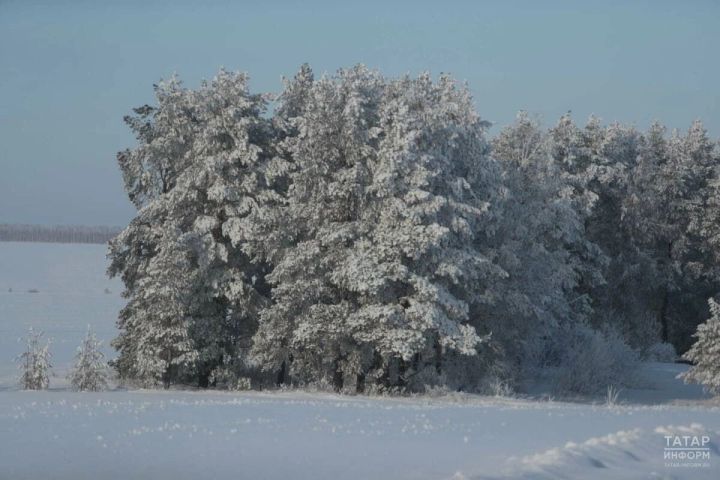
x: 59, y: 289
x: 297, y: 435
x: 302, y: 435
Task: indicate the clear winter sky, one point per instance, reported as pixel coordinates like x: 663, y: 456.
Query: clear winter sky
x: 70, y: 70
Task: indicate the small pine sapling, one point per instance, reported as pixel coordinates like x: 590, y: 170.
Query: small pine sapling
x: 34, y: 363
x: 89, y: 372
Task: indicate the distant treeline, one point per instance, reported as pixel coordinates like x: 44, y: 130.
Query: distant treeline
x: 57, y: 233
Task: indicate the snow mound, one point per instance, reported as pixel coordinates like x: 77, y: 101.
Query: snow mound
x: 626, y: 454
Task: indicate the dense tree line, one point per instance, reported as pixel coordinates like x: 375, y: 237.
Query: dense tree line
x: 368, y: 235
x: 56, y: 234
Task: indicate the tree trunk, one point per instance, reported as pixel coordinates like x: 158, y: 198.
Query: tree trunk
x: 402, y: 371
x: 663, y: 316
x: 167, y: 374
x: 666, y: 298
x: 438, y: 355
x: 360, y: 385
x: 378, y: 364
x: 337, y: 377
x: 416, y: 362
x: 282, y: 374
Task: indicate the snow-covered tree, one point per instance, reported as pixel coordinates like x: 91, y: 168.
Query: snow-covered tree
x: 645, y: 199
x: 612, y: 226
x: 366, y: 235
x: 34, y: 362
x: 377, y: 271
x: 583, y: 172
x: 189, y: 260
x: 90, y: 370
x: 706, y: 222
x: 542, y: 245
x: 705, y: 352
x: 673, y: 178
x: 154, y: 341
x: 151, y: 336
x: 165, y: 135
x: 646, y: 210
x: 613, y: 171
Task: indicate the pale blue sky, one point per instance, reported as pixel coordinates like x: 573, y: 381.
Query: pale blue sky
x: 70, y: 70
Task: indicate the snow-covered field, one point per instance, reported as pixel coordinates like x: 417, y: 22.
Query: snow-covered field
x: 296, y: 435
x: 59, y: 289
x: 315, y: 436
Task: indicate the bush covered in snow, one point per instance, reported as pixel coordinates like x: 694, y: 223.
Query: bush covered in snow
x: 594, y: 360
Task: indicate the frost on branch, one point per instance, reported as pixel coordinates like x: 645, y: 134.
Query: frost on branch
x: 705, y: 353
x: 90, y: 370
x: 364, y: 234
x: 34, y: 362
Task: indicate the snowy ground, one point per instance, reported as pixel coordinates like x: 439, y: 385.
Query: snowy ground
x: 295, y: 435
x: 314, y: 436
x: 59, y: 289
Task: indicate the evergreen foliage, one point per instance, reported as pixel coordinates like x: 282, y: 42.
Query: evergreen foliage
x: 90, y: 371
x: 34, y: 362
x: 367, y: 235
x: 705, y: 353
